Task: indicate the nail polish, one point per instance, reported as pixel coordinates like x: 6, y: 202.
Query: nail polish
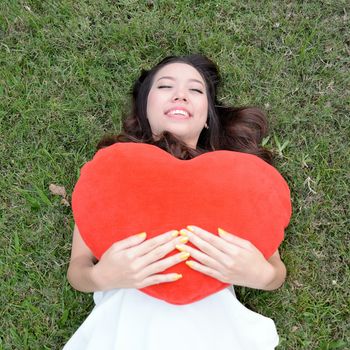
x: 190, y: 228
x: 177, y: 276
x: 183, y: 233
x: 184, y: 256
x: 222, y: 232
x: 179, y: 247
x: 189, y: 263
x: 183, y: 239
x: 175, y: 233
x: 142, y: 234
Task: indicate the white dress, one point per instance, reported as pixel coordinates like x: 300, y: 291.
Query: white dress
x: 127, y: 319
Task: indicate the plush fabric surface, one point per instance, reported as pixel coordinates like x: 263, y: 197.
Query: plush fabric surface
x: 128, y: 188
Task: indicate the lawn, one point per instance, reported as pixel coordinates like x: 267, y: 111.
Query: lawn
x: 66, y: 69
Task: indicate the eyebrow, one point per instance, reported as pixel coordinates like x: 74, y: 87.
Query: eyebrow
x: 171, y: 78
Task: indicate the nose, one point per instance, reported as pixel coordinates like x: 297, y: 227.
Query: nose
x: 180, y: 95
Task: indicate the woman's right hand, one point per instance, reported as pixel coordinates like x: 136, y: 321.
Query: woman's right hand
x: 137, y: 263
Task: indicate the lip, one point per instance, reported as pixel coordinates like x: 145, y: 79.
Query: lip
x: 181, y: 109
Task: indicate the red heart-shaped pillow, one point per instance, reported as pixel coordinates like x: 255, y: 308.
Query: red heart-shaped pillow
x: 133, y: 187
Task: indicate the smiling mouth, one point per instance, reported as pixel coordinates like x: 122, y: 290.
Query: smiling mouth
x: 178, y: 114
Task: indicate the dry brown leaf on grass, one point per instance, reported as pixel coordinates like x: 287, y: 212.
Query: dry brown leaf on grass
x: 59, y: 191
x: 65, y: 202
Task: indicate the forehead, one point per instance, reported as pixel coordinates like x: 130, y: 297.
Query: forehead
x: 179, y: 71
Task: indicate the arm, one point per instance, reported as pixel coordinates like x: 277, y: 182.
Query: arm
x: 278, y: 273
x: 81, y: 265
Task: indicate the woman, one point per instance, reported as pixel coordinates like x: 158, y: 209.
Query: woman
x: 175, y: 107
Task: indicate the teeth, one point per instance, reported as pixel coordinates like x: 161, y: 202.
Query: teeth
x: 178, y: 111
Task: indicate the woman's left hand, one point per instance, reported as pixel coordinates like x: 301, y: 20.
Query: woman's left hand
x: 228, y: 258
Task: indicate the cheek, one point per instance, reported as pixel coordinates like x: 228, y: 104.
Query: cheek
x: 153, y: 101
x: 149, y: 104
x: 203, y: 106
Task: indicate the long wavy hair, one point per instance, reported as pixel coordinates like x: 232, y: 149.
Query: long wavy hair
x: 238, y: 129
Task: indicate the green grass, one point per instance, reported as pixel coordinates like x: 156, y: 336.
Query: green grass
x: 66, y: 70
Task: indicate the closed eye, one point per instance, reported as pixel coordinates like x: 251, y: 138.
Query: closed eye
x: 197, y: 90
x: 164, y: 86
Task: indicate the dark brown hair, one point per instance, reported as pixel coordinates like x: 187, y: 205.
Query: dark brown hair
x: 236, y: 129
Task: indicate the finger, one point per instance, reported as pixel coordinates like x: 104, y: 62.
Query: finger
x: 204, y: 246
x: 200, y: 256
x: 194, y: 265
x: 154, y: 242
x: 209, y: 237
x: 157, y: 279
x: 164, y: 264
x: 229, y: 237
x: 159, y: 252
x: 130, y: 241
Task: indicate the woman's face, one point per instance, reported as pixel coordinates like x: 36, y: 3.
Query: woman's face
x: 178, y: 102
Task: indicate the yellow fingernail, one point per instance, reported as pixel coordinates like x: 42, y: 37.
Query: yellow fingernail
x: 190, y: 228
x: 183, y: 233
x: 183, y: 239
x: 189, y: 263
x: 175, y: 233
x: 142, y: 234
x: 222, y: 232
x: 184, y: 256
x: 177, y: 276
x: 179, y: 247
